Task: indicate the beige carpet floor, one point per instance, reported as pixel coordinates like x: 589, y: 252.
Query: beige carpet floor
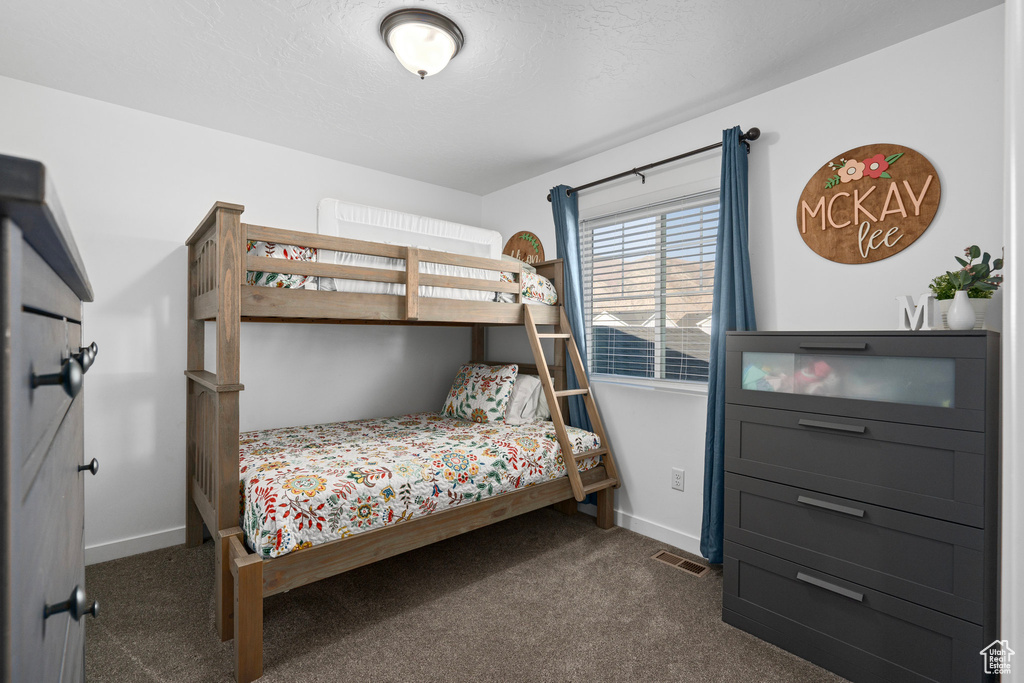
x: 542, y: 597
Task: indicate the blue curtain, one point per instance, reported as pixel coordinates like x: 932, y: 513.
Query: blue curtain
x: 732, y: 309
x: 566, y: 211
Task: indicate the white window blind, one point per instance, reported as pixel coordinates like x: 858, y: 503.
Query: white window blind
x: 648, y: 277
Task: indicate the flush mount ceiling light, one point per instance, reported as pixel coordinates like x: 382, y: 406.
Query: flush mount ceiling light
x: 424, y: 41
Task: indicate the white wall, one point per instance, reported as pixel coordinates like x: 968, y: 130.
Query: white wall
x: 1012, y: 627
x: 134, y: 186
x: 945, y: 103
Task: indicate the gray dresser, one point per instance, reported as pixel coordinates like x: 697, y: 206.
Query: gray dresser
x: 862, y: 499
x: 42, y: 470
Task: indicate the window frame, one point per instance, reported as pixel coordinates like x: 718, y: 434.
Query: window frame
x: 678, y: 200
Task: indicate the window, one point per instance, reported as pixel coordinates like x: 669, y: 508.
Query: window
x: 648, y: 276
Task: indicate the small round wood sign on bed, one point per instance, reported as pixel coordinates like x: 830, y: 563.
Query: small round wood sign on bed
x: 868, y: 203
x: 525, y: 246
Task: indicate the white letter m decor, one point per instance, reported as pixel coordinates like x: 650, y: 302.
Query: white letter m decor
x: 924, y: 316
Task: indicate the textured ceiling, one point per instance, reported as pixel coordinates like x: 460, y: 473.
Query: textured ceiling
x: 538, y: 85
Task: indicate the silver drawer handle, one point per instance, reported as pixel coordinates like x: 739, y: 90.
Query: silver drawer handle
x: 837, y: 426
x: 838, y: 590
x: 75, y: 605
x: 835, y: 346
x: 69, y: 377
x: 853, y: 512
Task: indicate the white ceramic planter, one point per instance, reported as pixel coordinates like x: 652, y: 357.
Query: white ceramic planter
x: 980, y: 308
x: 961, y: 315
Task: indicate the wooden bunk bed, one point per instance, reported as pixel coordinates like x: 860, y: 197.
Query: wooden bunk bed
x: 217, y: 291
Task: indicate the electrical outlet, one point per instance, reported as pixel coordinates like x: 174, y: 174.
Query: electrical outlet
x: 678, y: 479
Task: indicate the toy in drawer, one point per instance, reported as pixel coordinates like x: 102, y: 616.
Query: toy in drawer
x: 890, y: 379
x: 871, y: 376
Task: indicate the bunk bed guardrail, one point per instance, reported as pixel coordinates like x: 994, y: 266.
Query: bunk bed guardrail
x: 222, y: 236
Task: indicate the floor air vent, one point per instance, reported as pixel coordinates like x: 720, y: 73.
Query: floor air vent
x: 688, y: 566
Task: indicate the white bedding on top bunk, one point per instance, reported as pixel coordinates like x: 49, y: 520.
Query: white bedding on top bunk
x: 373, y: 224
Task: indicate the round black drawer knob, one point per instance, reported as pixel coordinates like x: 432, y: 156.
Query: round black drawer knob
x: 70, y: 377
x: 92, y: 468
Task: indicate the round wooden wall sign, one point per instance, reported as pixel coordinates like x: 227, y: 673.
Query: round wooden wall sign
x: 525, y: 246
x: 868, y: 203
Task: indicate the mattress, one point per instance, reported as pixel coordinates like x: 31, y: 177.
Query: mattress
x: 302, y: 486
x: 374, y: 224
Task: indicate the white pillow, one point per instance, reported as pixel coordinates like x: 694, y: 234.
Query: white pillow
x: 528, y: 403
x: 527, y: 268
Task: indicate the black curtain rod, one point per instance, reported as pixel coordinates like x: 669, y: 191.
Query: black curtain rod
x: 752, y: 134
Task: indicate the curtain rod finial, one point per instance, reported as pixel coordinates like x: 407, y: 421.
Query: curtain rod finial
x: 752, y: 134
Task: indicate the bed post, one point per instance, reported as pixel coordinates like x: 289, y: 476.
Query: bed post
x: 244, y: 572
x: 606, y: 508
x: 230, y: 275
x: 216, y: 272
x: 195, y: 334
x: 478, y: 352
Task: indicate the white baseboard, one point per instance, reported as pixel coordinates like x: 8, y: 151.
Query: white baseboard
x: 114, y: 550
x: 650, y: 529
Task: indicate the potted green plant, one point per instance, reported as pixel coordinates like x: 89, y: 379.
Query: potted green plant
x: 944, y: 290
x: 963, y: 293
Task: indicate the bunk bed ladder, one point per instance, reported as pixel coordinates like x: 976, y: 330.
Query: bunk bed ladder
x: 564, y: 333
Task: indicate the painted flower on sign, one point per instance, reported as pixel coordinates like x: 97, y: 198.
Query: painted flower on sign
x: 852, y: 170
x: 849, y: 170
x: 876, y: 166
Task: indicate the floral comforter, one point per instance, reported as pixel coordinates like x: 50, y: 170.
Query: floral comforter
x: 303, y: 486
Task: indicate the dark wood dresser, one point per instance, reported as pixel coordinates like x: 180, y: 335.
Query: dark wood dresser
x: 42, y: 470
x: 862, y: 499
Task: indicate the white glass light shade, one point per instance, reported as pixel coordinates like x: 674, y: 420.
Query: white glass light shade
x: 422, y: 49
x: 424, y: 41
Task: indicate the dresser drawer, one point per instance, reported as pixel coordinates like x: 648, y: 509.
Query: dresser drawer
x: 44, y: 291
x: 925, y: 470
x: 939, y: 380
x: 46, y: 344
x: 931, y: 562
x: 48, y: 537
x: 859, y: 633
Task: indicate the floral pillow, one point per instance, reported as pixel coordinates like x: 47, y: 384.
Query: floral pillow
x: 540, y: 289
x: 255, y: 277
x: 536, y: 289
x: 481, y: 392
